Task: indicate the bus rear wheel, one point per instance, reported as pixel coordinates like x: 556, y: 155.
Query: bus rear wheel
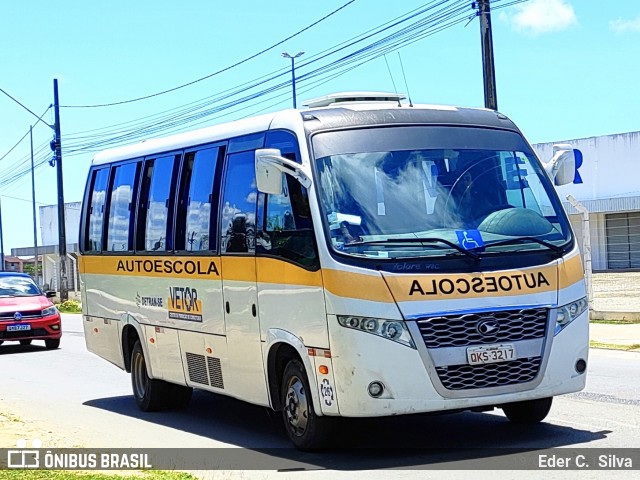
x: 529, y: 411
x: 151, y: 394
x: 147, y: 392
x: 306, y: 430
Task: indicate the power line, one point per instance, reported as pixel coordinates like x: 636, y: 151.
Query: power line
x: 25, y: 135
x: 38, y: 117
x: 100, y: 141
x: 217, y: 72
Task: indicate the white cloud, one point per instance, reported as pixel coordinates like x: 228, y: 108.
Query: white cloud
x: 541, y: 16
x: 624, y: 26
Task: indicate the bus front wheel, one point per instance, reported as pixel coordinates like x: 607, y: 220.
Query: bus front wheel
x: 529, y: 411
x: 306, y: 430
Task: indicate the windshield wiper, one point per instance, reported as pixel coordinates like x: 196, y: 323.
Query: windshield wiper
x: 470, y: 254
x: 508, y: 241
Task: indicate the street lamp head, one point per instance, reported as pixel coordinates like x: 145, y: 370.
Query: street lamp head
x: 287, y: 55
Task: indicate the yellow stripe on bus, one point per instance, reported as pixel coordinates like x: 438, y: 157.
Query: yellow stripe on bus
x: 356, y: 285
x: 401, y: 287
x: 142, y: 266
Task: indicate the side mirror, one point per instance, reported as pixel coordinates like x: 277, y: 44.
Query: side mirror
x: 562, y: 167
x: 268, y: 176
x: 270, y: 165
x: 50, y: 294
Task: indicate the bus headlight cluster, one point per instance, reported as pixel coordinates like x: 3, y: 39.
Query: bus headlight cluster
x: 569, y: 312
x: 395, y: 330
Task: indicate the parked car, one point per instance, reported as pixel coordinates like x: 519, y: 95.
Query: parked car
x: 26, y: 312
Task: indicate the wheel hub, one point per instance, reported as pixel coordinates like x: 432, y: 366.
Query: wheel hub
x: 296, y: 406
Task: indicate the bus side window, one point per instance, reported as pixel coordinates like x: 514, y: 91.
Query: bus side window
x: 237, y: 227
x: 195, y: 230
x: 154, y: 232
x: 120, y: 226
x: 95, y: 211
x: 286, y: 230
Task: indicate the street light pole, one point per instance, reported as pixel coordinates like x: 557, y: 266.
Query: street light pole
x: 293, y: 72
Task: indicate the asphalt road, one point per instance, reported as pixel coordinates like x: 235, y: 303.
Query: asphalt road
x: 73, y: 398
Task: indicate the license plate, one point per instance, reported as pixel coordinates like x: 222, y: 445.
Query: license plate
x: 18, y: 328
x: 491, y: 354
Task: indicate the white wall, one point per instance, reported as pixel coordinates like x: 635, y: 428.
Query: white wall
x: 49, y: 223
x: 610, y: 168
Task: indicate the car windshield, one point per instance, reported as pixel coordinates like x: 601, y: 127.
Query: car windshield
x: 18, y: 287
x: 423, y: 191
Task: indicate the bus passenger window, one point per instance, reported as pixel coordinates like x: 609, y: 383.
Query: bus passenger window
x: 238, y: 224
x: 95, y: 211
x: 120, y: 227
x: 156, y: 203
x: 196, y: 201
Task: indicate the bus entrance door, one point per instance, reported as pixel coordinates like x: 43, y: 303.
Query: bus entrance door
x: 242, y: 326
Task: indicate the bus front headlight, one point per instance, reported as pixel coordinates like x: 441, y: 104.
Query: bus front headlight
x: 395, y: 330
x: 568, y: 313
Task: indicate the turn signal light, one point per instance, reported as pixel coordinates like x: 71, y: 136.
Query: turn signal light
x: 323, y: 369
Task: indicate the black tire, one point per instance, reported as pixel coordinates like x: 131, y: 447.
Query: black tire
x: 52, y: 343
x: 26, y: 341
x: 177, y: 396
x: 150, y: 394
x: 306, y: 430
x: 528, y: 412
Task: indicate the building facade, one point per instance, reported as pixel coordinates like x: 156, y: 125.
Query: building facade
x: 610, y: 191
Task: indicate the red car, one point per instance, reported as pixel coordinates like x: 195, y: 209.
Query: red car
x: 26, y: 313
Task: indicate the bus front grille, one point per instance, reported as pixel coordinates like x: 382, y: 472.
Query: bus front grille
x: 461, y: 330
x: 466, y: 377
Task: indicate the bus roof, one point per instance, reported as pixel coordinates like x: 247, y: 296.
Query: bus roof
x: 332, y: 111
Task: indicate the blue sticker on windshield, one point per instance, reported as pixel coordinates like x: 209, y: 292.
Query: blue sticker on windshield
x: 470, y: 239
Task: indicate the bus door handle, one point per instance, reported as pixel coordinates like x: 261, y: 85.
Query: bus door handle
x: 227, y: 307
x: 253, y: 309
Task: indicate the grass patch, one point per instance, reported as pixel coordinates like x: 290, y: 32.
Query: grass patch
x: 615, y: 322
x: 612, y: 346
x: 70, y: 475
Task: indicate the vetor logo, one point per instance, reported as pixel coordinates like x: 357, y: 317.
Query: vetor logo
x: 488, y: 327
x: 23, y: 457
x: 17, y: 316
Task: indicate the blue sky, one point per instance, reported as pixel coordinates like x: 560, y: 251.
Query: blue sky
x: 564, y: 69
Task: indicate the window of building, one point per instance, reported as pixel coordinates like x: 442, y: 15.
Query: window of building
x: 120, y: 226
x: 623, y: 240
x: 156, y: 205
x: 239, y: 204
x: 95, y: 210
x: 197, y: 201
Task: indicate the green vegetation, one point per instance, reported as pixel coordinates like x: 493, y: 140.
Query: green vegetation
x: 70, y: 306
x: 73, y: 475
x: 611, y: 346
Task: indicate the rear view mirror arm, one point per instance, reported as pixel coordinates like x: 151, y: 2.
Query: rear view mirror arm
x: 289, y: 167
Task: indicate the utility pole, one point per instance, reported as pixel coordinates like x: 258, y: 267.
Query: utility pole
x: 488, y: 68
x: 33, y: 198
x: 62, y: 237
x: 293, y: 72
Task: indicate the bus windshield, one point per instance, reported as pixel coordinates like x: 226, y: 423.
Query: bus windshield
x: 428, y: 191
